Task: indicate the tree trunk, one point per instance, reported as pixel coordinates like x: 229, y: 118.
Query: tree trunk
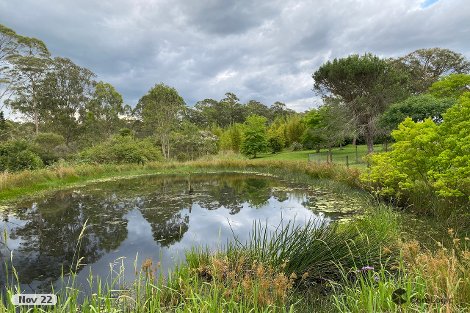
x: 369, y: 136
x: 370, y: 143
x: 36, y: 121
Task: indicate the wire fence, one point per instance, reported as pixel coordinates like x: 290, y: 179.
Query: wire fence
x: 330, y: 158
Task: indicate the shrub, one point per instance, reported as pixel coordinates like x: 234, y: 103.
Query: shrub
x: 275, y: 143
x: 296, y: 146
x: 122, y: 149
x: 428, y: 159
x: 18, y: 155
x: 254, y: 136
x: 50, y: 147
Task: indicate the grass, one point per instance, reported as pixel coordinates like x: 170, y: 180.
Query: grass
x: 339, y: 155
x: 424, y: 281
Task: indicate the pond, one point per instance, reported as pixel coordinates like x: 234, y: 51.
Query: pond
x: 156, y: 217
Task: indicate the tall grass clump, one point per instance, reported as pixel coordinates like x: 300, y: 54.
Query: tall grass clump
x: 423, y: 281
x: 316, y: 252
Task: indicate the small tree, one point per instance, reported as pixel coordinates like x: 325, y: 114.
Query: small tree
x: 160, y: 110
x: 254, y: 136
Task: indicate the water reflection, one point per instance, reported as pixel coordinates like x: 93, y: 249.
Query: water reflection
x: 155, y: 217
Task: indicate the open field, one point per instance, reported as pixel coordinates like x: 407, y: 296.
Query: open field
x: 339, y: 155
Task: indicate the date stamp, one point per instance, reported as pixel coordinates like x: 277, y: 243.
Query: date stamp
x: 34, y: 299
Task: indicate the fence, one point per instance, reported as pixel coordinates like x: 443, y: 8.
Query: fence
x: 332, y: 159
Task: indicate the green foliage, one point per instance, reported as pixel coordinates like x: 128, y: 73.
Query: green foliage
x: 50, y: 147
x: 65, y: 115
x: 4, y: 128
x: 425, y: 66
x: 254, y: 136
x: 102, y: 113
x: 366, y: 85
x: 428, y: 159
x: 189, y: 142
x: 18, y: 155
x: 231, y: 138
x: 452, y: 177
x: 275, y: 143
x: 122, y: 149
x: 159, y: 110
x: 296, y: 146
x: 451, y: 86
x: 418, y: 108
x: 328, y: 126
x: 294, y: 129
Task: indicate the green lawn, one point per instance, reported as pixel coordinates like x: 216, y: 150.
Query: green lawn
x: 339, y: 155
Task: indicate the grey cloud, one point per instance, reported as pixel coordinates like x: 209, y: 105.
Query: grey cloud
x: 264, y: 50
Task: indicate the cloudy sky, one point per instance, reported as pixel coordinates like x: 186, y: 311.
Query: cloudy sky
x: 263, y: 50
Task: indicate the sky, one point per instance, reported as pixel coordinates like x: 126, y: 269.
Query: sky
x: 262, y: 50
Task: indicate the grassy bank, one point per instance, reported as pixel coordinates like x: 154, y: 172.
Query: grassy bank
x: 29, y: 183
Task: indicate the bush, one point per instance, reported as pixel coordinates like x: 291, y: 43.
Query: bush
x: 122, y: 149
x: 296, y: 146
x: 50, y: 147
x: 427, y: 159
x: 18, y: 155
x: 275, y: 143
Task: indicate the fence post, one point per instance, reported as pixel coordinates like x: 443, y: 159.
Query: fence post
x: 347, y: 161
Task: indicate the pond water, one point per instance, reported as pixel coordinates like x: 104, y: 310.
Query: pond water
x: 156, y: 217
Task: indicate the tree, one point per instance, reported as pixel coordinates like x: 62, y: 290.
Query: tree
x: 17, y: 155
x: 205, y: 113
x: 312, y: 137
x: 231, y: 138
x: 103, y: 112
x: 451, y: 86
x: 254, y: 136
x: 189, y: 142
x: 275, y: 143
x: 49, y: 147
x: 366, y: 85
x: 294, y: 129
x: 418, y: 108
x: 279, y: 109
x: 425, y: 66
x: 230, y: 110
x: 254, y: 107
x: 9, y: 42
x: 64, y: 94
x: 329, y: 125
x: 3, y: 127
x: 160, y: 110
x: 29, y: 67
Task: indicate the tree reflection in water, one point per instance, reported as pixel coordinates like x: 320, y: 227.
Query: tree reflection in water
x: 43, y: 233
